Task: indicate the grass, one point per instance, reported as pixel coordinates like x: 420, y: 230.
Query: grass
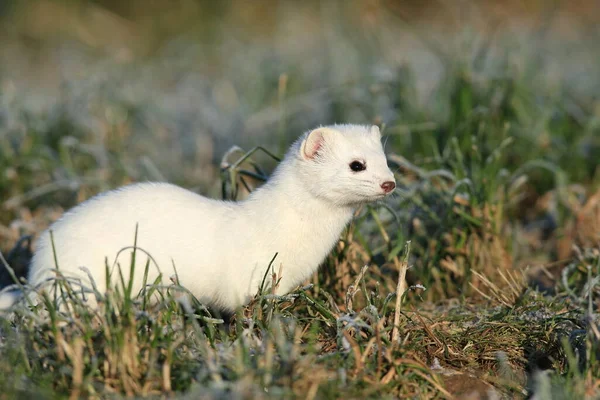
x: 495, y: 225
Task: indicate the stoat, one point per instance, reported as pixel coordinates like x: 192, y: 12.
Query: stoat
x: 220, y: 250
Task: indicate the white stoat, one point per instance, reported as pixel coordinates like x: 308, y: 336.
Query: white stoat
x: 221, y: 250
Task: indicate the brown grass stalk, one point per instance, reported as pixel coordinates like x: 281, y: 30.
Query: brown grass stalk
x: 400, y: 289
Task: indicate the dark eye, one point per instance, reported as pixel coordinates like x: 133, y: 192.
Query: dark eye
x: 357, y: 166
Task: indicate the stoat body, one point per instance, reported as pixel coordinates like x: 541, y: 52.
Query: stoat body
x: 221, y: 250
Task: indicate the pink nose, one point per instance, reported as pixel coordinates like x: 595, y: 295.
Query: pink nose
x: 388, y: 186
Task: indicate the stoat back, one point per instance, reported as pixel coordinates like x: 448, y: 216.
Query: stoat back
x: 221, y: 250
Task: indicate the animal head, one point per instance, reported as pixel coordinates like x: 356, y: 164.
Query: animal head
x: 344, y: 164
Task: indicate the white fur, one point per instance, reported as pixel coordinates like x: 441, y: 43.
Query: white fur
x: 220, y: 249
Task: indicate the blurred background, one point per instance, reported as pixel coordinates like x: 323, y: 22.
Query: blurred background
x: 96, y: 94
x: 189, y: 78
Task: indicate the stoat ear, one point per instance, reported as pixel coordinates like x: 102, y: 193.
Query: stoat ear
x: 375, y: 131
x: 314, y: 142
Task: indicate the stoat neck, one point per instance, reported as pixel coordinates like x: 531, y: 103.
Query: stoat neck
x: 284, y: 196
x: 298, y: 226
